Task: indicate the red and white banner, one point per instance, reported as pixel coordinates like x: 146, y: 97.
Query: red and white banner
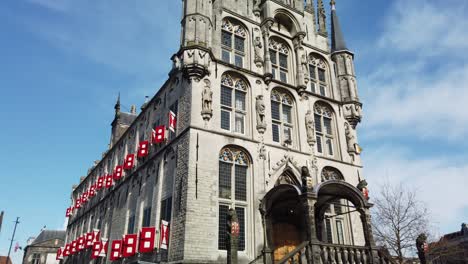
x: 109, y: 181
x: 118, y: 172
x: 59, y: 254
x: 147, y: 237
x: 164, y: 239
x: 129, y: 245
x: 158, y: 134
x: 97, y: 247
x: 116, y: 250
x: 129, y: 162
x: 143, y: 149
x: 172, y: 121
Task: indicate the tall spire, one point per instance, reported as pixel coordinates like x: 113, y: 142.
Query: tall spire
x: 338, y: 42
x: 117, y: 105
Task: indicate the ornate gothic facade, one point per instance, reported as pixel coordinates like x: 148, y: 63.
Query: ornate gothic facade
x: 267, y: 106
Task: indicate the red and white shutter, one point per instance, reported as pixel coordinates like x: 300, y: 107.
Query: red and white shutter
x: 89, y: 239
x: 69, y: 212
x: 129, y: 245
x: 73, y: 247
x: 164, y: 239
x: 159, y: 134
x: 116, y: 250
x: 59, y: 254
x: 129, y: 162
x: 100, y: 182
x: 147, y: 236
x: 92, y: 190
x: 78, y: 202
x: 81, y: 243
x: 97, y: 247
x: 84, y: 197
x: 143, y: 149
x: 172, y: 121
x: 66, y: 251
x: 96, y: 235
x: 109, y: 181
x: 104, y: 246
x: 118, y: 172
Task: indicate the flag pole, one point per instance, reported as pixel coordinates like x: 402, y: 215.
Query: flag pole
x: 12, y: 239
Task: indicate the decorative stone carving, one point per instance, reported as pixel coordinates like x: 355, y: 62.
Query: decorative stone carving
x: 196, y: 63
x: 329, y: 173
x: 262, y: 153
x: 305, y: 67
x: 322, y: 18
x: 362, y: 186
x: 310, y: 128
x: 353, y: 114
x: 353, y: 147
x: 307, y: 181
x: 260, y: 107
x: 207, y: 99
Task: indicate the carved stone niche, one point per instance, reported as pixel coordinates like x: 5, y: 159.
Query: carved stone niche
x: 330, y: 173
x: 196, y: 63
x: 353, y: 113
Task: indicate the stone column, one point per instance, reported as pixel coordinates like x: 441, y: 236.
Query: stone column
x: 266, y: 42
x: 267, y: 251
x: 309, y: 201
x: 369, y: 237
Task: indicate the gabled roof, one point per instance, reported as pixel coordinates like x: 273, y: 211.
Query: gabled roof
x: 47, y: 235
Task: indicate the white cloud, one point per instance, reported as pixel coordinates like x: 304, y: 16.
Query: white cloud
x: 427, y: 27
x: 440, y: 182
x: 420, y: 85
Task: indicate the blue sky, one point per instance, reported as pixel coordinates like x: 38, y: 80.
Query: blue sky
x: 64, y: 61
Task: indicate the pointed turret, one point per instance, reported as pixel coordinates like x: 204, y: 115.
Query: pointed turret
x: 337, y: 39
x: 346, y: 77
x: 117, y: 105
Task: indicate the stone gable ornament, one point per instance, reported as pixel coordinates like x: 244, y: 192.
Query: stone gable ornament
x: 260, y: 108
x: 207, y: 99
x: 310, y: 128
x: 233, y: 231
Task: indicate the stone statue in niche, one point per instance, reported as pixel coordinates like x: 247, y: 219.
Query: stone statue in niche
x: 207, y: 99
x: 260, y: 107
x: 350, y: 139
x: 307, y: 182
x: 258, y: 46
x: 304, y: 64
x: 310, y: 128
x: 262, y: 152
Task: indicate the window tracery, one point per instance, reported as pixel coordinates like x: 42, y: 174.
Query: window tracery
x: 233, y: 112
x: 279, y: 53
x: 282, y: 116
x: 233, y: 38
x: 318, y: 74
x: 323, y: 117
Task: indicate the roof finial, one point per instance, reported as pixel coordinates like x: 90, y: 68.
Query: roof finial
x: 117, y: 104
x: 333, y: 3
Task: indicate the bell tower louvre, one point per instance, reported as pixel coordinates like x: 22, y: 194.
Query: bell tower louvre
x: 248, y: 153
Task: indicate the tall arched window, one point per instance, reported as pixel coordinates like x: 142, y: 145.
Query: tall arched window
x: 282, y: 116
x: 233, y: 37
x: 279, y: 53
x: 233, y: 104
x: 318, y: 76
x: 233, y: 172
x: 323, y: 116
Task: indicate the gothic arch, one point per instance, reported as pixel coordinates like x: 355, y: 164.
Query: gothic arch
x: 285, y: 18
x: 287, y: 167
x: 331, y: 173
x: 234, y: 25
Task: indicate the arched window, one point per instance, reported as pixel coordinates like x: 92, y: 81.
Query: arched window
x: 323, y: 117
x: 233, y: 172
x: 279, y: 53
x: 282, y: 116
x: 233, y: 37
x: 318, y: 76
x: 233, y: 104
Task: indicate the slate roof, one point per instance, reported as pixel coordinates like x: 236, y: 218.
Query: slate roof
x: 46, y: 235
x: 338, y: 42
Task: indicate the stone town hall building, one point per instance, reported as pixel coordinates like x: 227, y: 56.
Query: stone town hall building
x: 267, y: 109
